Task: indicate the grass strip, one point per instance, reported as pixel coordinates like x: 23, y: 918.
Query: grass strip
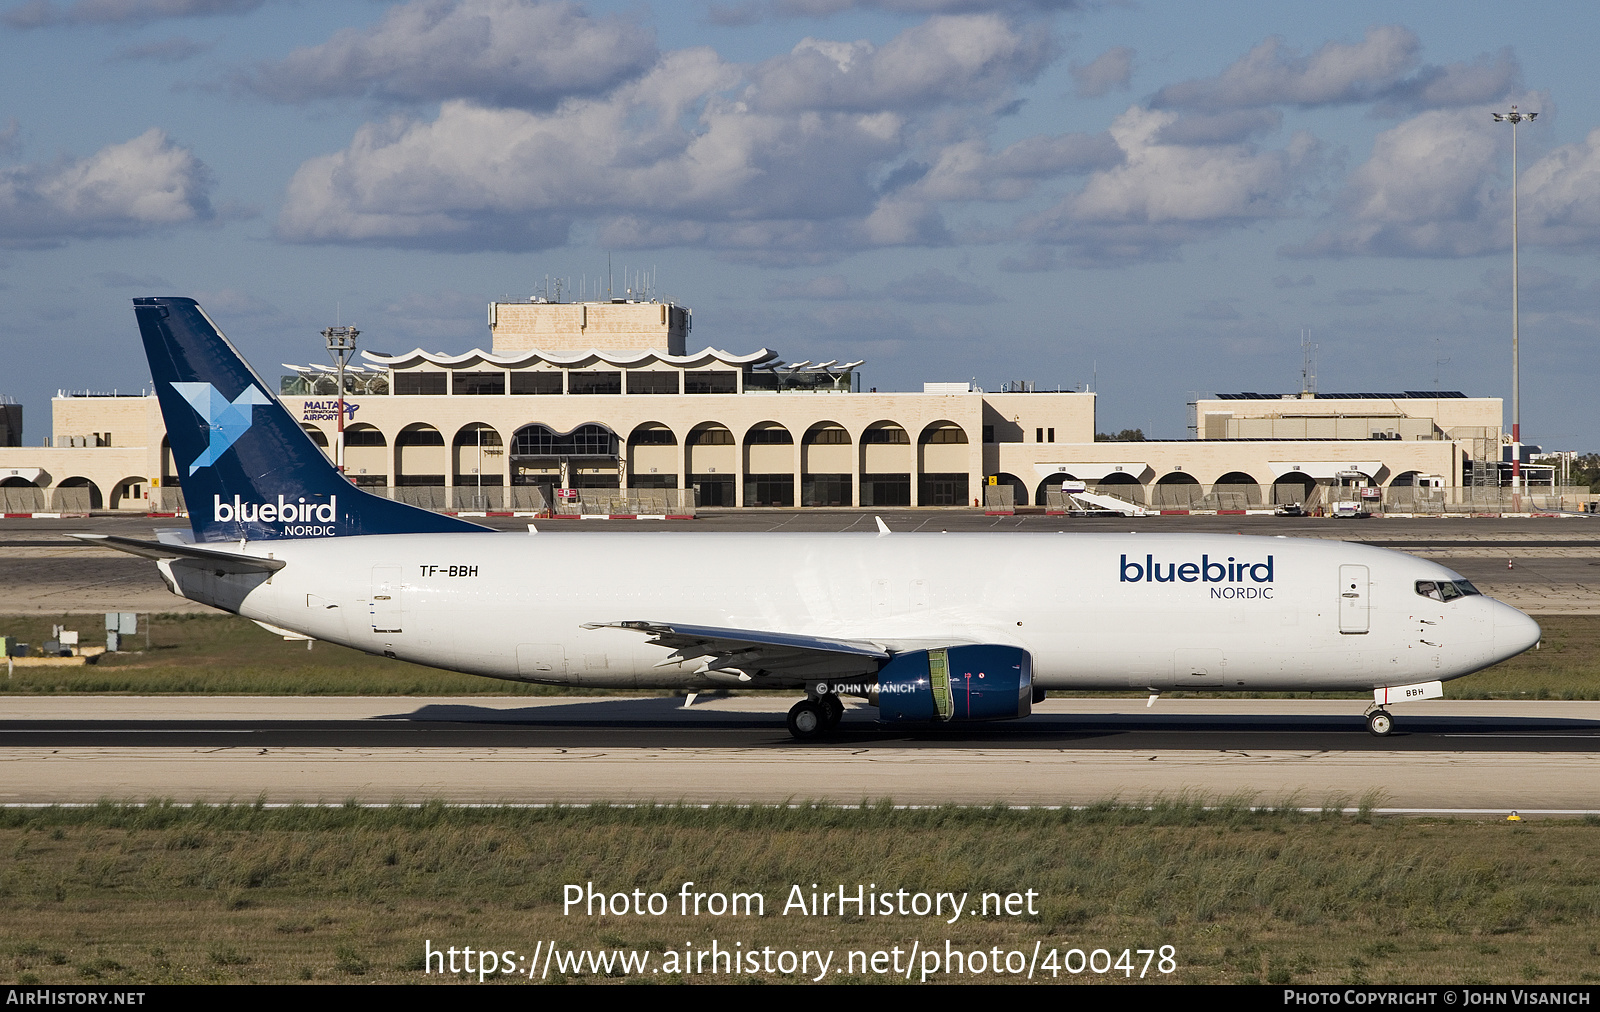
x: 161, y: 892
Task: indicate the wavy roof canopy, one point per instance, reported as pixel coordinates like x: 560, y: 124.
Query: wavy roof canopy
x: 527, y: 358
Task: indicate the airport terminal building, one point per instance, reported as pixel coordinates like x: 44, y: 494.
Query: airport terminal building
x: 604, y: 399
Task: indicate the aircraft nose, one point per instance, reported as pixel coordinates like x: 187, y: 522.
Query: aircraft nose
x: 1514, y: 632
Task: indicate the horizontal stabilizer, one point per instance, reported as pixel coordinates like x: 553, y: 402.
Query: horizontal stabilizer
x: 226, y: 562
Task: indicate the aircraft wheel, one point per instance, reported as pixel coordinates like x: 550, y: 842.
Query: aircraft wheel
x: 832, y: 710
x: 1380, y: 723
x: 807, y: 720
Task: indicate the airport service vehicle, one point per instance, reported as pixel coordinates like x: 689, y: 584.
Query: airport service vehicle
x: 929, y: 628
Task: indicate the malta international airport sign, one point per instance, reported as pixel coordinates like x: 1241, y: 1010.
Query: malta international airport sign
x: 328, y: 410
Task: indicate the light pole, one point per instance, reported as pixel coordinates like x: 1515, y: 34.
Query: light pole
x: 341, y: 345
x: 1514, y: 117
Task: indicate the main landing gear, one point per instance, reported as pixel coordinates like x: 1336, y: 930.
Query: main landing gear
x: 814, y: 717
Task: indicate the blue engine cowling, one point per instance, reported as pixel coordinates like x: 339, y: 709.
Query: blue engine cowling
x: 979, y: 682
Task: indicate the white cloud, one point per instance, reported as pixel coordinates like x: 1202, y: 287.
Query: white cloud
x: 512, y: 179
x: 1374, y: 70
x: 1438, y: 185
x: 1229, y: 127
x: 962, y: 60
x: 499, y: 52
x: 123, y: 189
x: 1427, y: 190
x: 1164, y: 195
x: 1560, y: 196
x: 1271, y: 74
x: 1483, y: 80
x: 43, y: 13
x: 700, y: 152
x: 1110, y: 71
x: 965, y: 170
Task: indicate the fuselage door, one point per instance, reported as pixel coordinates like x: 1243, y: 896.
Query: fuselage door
x: 388, y: 604
x: 1353, y: 594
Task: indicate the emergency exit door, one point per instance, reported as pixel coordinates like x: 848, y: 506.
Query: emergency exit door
x: 1353, y: 594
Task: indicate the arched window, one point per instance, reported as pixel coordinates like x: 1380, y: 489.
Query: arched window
x: 585, y: 441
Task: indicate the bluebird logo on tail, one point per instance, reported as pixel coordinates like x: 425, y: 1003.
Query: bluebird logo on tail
x: 226, y: 420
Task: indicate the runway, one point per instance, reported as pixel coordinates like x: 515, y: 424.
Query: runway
x: 1444, y: 755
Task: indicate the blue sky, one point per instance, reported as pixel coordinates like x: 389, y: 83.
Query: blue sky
x: 1157, y: 198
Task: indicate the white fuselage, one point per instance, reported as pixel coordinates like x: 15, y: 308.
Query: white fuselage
x: 1096, y: 611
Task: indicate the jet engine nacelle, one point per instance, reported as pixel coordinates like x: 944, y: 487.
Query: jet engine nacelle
x: 980, y: 682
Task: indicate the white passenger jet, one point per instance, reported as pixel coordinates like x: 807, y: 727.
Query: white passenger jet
x: 929, y: 628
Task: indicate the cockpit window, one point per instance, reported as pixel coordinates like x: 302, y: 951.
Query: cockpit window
x: 1446, y: 590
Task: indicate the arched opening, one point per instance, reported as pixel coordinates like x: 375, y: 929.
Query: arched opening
x: 590, y: 453
x: 76, y: 495
x: 887, y: 462
x: 19, y: 495
x: 169, y: 495
x: 366, y: 455
x: 827, y: 466
x: 478, y: 465
x: 169, y: 467
x: 1048, y: 492
x: 1019, y: 489
x: 1122, y: 485
x: 421, y: 466
x: 712, y: 463
x: 1176, y: 490
x: 1294, y: 487
x: 944, y: 465
x: 317, y: 435
x: 652, y: 456
x: 769, y: 465
x: 131, y: 493
x: 946, y: 433
x: 1236, y: 490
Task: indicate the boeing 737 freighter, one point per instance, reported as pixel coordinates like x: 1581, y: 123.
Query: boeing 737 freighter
x: 928, y: 628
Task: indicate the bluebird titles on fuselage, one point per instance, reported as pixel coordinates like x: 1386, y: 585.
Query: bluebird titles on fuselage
x: 1204, y: 571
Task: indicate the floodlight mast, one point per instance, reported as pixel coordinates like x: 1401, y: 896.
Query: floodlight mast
x: 1514, y: 117
x: 341, y: 345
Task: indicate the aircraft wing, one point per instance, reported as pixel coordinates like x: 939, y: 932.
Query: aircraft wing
x: 749, y: 652
x: 222, y: 562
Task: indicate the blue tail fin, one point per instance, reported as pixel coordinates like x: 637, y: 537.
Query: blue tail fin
x: 247, y: 468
